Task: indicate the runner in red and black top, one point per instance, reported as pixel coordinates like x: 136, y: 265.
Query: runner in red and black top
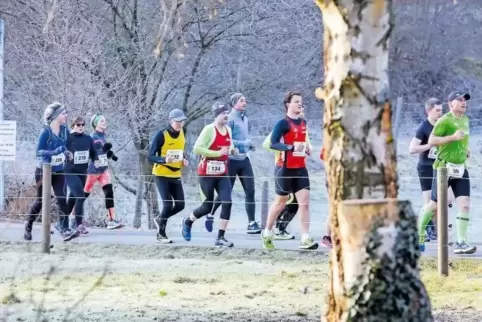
x: 214, y: 144
x: 289, y: 137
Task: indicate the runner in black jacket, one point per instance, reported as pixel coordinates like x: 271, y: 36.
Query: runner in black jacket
x: 80, y: 149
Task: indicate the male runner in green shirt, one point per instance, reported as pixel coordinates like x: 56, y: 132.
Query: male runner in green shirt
x: 451, y: 137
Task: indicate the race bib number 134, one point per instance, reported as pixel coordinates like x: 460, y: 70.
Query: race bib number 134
x: 215, y: 168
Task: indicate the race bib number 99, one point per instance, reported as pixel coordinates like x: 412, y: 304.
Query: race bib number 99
x: 455, y: 170
x: 432, y: 153
x: 299, y: 149
x: 215, y: 168
x: 81, y: 157
x: 176, y: 155
x: 58, y: 159
x: 103, y: 162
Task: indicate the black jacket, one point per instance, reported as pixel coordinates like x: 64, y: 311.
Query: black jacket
x: 82, y: 148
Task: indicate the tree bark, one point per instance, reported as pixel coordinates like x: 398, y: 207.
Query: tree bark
x: 360, y: 154
x: 380, y: 263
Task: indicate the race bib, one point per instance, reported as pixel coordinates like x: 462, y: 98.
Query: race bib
x: 176, y: 155
x: 81, y: 157
x: 432, y: 153
x: 299, y: 149
x: 215, y: 168
x: 103, y: 162
x: 58, y: 159
x: 455, y: 170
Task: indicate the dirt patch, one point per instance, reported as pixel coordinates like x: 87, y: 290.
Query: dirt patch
x: 90, y: 282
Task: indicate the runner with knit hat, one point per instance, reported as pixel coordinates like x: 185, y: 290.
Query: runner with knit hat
x: 101, y: 173
x: 239, y: 165
x: 51, y: 148
x: 214, y: 145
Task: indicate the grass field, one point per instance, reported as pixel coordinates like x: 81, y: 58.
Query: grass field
x: 148, y: 283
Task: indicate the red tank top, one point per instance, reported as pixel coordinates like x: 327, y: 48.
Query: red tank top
x: 296, y: 136
x: 216, y: 166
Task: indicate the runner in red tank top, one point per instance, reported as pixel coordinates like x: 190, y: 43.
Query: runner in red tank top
x: 214, y: 144
x: 289, y: 137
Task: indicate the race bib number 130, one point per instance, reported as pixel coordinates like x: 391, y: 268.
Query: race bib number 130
x: 455, y: 170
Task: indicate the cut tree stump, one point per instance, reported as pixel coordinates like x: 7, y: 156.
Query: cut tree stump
x: 379, y: 255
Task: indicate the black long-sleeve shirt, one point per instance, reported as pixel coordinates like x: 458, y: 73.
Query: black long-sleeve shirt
x: 82, y: 148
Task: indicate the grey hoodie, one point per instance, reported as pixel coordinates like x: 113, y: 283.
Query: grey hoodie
x: 238, y: 122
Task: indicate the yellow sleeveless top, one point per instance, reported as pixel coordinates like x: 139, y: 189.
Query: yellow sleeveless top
x: 173, y: 146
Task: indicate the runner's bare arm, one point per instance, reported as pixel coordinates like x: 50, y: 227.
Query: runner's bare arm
x: 416, y: 147
x: 439, y: 140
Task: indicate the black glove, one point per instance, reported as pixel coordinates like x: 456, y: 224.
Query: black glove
x: 111, y: 155
x: 106, y: 147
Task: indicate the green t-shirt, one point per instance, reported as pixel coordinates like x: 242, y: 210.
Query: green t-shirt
x: 455, y: 151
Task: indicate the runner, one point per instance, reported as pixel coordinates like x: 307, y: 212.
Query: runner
x: 51, y: 149
x: 291, y: 207
x: 214, y: 144
x: 451, y: 137
x: 167, y: 154
x: 292, y: 177
x: 427, y: 156
x: 101, y: 173
x: 240, y: 165
x: 81, y: 147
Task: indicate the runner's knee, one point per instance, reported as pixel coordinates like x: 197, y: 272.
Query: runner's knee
x: 432, y: 205
x: 167, y: 206
x: 179, y: 205
x: 109, y: 196
x: 226, y: 210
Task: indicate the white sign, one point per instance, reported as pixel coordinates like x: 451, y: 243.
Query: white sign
x: 8, y: 140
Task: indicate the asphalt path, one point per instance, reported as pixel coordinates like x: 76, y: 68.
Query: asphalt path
x: 13, y: 231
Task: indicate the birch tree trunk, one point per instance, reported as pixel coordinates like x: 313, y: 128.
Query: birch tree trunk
x: 374, y: 261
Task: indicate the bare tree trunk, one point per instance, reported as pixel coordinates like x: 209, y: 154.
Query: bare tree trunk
x: 381, y: 282
x: 152, y: 202
x: 145, y: 173
x: 137, y: 222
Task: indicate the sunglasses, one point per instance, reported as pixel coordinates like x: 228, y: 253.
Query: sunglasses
x: 80, y: 124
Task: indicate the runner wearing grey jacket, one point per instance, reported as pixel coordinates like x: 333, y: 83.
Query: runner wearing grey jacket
x: 240, y: 165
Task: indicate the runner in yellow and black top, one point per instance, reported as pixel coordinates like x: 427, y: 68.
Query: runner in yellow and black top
x: 167, y: 155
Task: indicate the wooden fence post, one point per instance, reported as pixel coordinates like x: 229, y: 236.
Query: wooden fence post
x: 46, y: 205
x: 442, y: 221
x: 264, y: 204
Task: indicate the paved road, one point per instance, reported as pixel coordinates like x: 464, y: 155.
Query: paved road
x: 13, y: 231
